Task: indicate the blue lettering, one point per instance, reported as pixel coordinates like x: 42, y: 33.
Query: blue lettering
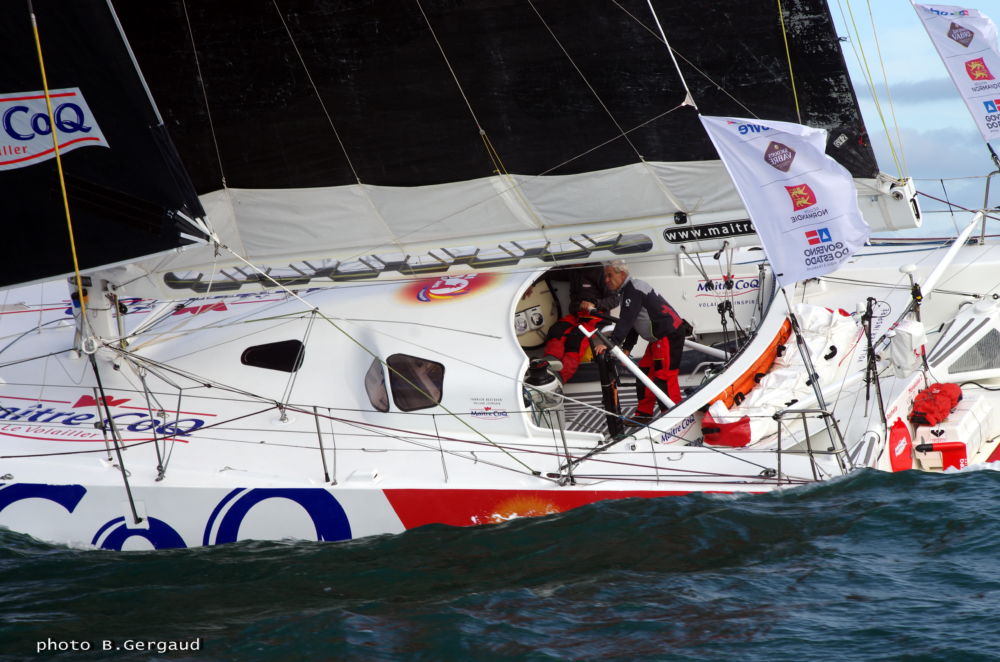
x: 144, y: 424
x: 324, y: 510
x: 744, y: 129
x: 160, y: 534
x: 40, y: 123
x: 69, y: 119
x: 74, y: 123
x: 174, y: 428
x: 67, y: 496
x: 8, y: 123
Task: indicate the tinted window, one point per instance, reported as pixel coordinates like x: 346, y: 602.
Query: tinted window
x: 286, y: 355
x: 416, y: 383
x: 375, y: 386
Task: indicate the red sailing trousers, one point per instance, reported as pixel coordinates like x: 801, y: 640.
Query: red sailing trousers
x: 567, y: 343
x: 656, y: 364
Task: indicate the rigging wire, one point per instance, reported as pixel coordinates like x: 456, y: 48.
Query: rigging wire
x: 951, y: 210
x: 888, y: 91
x: 343, y: 148
x: 688, y: 99
x: 491, y: 151
x: 204, y: 94
x: 688, y: 62
x: 869, y: 80
x: 621, y: 131
x: 84, y: 320
x: 788, y: 56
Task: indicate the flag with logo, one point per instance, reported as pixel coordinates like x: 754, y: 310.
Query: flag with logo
x: 803, y: 204
x: 966, y: 40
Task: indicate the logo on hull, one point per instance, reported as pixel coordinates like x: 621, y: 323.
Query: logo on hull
x: 446, y: 288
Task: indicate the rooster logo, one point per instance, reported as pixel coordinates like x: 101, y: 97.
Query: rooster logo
x: 802, y: 196
x: 978, y: 70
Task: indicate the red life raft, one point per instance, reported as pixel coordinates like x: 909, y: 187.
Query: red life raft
x: 934, y: 403
x: 734, y: 435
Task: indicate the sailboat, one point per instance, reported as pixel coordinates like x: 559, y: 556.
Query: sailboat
x: 316, y: 247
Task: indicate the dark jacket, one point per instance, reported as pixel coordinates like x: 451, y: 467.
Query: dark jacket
x: 587, y: 284
x: 646, y: 312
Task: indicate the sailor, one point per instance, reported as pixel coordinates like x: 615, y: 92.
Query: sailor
x: 644, y: 312
x: 588, y: 294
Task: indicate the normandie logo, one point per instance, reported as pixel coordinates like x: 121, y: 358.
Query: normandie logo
x: 802, y: 196
x: 978, y: 70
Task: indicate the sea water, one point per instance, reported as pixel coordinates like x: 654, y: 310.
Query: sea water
x: 870, y: 567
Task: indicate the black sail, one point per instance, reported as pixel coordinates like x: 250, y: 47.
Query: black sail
x: 304, y: 93
x: 422, y: 134
x: 121, y: 196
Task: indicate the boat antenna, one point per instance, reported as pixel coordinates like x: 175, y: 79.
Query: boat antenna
x: 688, y: 99
x: 59, y: 167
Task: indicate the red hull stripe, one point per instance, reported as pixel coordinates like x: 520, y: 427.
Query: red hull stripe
x: 469, y: 507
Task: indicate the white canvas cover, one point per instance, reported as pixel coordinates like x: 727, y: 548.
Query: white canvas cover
x: 293, y: 232
x: 831, y: 338
x: 906, y: 347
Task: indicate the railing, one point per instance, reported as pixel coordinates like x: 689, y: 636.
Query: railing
x: 832, y: 430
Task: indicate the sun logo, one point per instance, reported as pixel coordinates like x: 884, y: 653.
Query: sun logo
x: 802, y: 196
x: 978, y: 70
x: 521, y: 505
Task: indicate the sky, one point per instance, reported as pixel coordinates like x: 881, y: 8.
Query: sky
x: 935, y: 130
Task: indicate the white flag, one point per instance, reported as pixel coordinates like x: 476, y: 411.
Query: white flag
x: 966, y: 39
x: 803, y: 204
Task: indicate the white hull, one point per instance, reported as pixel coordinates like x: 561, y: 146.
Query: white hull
x: 215, y: 450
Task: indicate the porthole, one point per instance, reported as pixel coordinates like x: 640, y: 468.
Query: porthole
x: 285, y: 355
x: 416, y: 383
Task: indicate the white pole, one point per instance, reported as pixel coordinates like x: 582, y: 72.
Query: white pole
x: 928, y: 286
x: 634, y: 369
x: 705, y: 349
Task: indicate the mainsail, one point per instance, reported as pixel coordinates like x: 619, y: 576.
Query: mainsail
x: 346, y: 140
x: 124, y: 179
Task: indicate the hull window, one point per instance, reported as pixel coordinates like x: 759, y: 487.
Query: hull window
x: 416, y: 383
x: 285, y: 356
x: 375, y: 386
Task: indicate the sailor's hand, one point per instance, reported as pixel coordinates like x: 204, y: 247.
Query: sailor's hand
x: 600, y: 349
x: 587, y: 306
